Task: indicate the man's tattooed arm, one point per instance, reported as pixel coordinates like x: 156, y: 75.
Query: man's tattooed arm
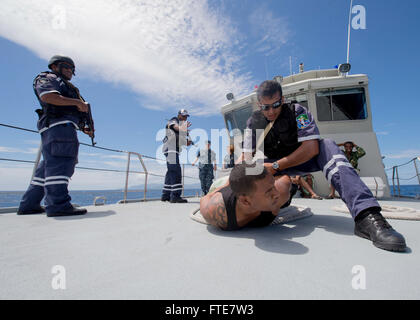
x: 213, y: 210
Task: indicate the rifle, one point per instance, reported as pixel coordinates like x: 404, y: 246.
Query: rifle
x: 87, y: 123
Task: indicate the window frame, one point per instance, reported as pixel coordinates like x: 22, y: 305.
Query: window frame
x: 232, y: 113
x: 365, y: 105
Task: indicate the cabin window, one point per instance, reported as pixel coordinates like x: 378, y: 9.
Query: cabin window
x: 301, y: 99
x: 237, y: 119
x: 230, y: 124
x: 241, y: 116
x: 338, y: 105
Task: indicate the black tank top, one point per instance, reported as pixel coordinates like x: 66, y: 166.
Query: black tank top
x: 264, y: 219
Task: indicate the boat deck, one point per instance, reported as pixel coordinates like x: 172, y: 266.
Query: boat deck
x: 154, y: 250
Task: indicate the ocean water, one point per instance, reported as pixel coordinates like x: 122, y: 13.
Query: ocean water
x: 407, y: 191
x: 85, y: 198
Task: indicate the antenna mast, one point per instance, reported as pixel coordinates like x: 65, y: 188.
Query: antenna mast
x: 290, y: 65
x: 348, y: 36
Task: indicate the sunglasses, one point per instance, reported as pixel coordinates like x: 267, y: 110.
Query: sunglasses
x: 275, y: 105
x: 67, y: 66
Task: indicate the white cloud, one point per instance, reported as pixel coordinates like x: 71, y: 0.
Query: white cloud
x: 89, y: 154
x: 15, y: 176
x: 175, y: 53
x: 9, y: 150
x: 121, y: 157
x: 405, y: 154
x: 272, y: 31
x: 18, y: 150
x: 33, y: 142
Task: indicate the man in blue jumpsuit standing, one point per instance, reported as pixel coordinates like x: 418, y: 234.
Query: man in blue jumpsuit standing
x: 292, y: 146
x: 206, y: 158
x: 176, y: 137
x: 62, y: 112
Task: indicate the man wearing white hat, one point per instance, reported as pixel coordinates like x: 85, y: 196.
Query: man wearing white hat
x: 176, y: 137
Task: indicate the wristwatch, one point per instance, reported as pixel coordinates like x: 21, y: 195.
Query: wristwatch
x: 275, y: 166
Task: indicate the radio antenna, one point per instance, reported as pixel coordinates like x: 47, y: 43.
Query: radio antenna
x: 348, y: 36
x: 290, y: 65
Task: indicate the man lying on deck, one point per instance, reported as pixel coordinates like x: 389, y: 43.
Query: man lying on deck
x: 246, y: 200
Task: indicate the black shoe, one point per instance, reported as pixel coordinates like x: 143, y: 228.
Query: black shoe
x: 163, y: 199
x: 373, y: 226
x: 70, y: 212
x: 34, y: 211
x: 179, y: 200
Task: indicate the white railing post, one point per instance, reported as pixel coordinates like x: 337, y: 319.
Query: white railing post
x: 417, y: 169
x: 38, y: 157
x: 126, y: 176
x: 145, y: 174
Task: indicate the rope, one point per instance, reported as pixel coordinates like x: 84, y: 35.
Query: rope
x: 417, y: 175
x: 14, y: 160
x: 19, y: 128
x: 404, y: 164
x: 96, y: 169
x: 84, y: 144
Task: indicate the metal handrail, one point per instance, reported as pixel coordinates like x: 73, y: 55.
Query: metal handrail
x: 127, y: 171
x: 395, y: 175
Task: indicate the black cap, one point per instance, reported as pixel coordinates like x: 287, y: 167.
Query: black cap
x: 57, y: 58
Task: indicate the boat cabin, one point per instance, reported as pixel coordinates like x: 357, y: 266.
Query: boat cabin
x: 341, y: 107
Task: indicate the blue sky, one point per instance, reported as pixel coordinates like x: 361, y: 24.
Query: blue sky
x: 138, y: 62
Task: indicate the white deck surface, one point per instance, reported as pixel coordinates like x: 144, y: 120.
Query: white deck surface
x: 155, y: 251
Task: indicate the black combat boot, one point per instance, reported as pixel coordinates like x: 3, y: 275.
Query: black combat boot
x: 70, y: 212
x: 33, y: 211
x: 371, y: 225
x: 179, y: 200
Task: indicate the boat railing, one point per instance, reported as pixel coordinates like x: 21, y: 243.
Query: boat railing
x: 130, y: 155
x: 396, y: 179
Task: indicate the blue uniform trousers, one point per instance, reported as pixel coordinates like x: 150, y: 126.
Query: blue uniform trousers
x: 206, y: 177
x: 341, y: 174
x: 59, y: 150
x: 173, y: 178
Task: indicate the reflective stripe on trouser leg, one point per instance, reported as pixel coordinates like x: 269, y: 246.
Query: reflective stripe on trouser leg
x: 331, y: 160
x: 33, y: 196
x: 173, y: 179
x: 344, y: 178
x: 60, y: 149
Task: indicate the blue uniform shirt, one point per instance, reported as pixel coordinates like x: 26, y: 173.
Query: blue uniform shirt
x: 307, y: 128
x: 49, y: 82
x: 174, y: 140
x: 206, y: 158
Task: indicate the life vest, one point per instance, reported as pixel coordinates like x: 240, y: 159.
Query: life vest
x: 51, y: 110
x: 173, y: 140
x: 282, y: 139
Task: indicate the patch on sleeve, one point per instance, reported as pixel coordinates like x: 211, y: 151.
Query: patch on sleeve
x: 303, y: 121
x: 42, y: 81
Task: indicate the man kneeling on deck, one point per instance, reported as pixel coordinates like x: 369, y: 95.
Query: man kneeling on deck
x: 292, y: 145
x: 246, y: 200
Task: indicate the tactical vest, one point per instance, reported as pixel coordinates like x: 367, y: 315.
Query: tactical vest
x: 282, y: 139
x: 52, y: 111
x: 171, y: 140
